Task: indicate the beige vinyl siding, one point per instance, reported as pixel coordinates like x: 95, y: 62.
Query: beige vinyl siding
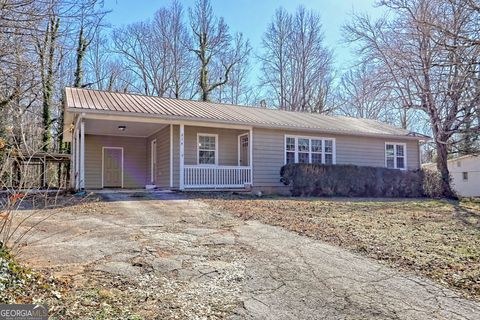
x: 162, y: 178
x: 268, y: 154
x: 269, y: 157
x: 363, y: 151
x: 134, y: 160
x: 227, y: 144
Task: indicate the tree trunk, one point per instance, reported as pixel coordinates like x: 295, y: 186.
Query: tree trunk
x: 442, y: 166
x: 204, y: 83
x: 81, y: 50
x: 48, y: 85
x: 204, y: 86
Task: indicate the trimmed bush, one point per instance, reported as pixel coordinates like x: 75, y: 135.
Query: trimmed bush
x: 351, y: 181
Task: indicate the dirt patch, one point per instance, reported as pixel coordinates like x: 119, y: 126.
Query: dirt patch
x: 438, y: 239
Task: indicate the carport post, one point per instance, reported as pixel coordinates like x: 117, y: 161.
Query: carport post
x: 82, y: 154
x: 171, y: 156
x: 250, y: 154
x: 182, y: 156
x: 72, y: 161
x: 77, y: 156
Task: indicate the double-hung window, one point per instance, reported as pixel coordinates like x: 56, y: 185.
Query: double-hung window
x: 303, y: 148
x: 395, y: 155
x: 328, y: 150
x: 317, y: 150
x: 309, y: 150
x: 207, y: 149
x: 290, y: 147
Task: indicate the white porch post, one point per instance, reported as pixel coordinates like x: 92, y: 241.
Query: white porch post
x: 182, y: 156
x: 250, y: 154
x: 171, y: 156
x: 77, y: 158
x: 72, y: 160
x: 82, y: 154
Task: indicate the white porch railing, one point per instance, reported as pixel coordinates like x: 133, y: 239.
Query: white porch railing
x: 216, y: 177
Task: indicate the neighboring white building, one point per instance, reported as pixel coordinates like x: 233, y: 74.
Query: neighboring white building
x: 465, y: 172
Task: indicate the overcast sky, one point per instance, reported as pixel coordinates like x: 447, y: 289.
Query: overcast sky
x: 252, y: 16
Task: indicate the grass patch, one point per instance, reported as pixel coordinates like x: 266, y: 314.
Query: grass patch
x: 434, y: 238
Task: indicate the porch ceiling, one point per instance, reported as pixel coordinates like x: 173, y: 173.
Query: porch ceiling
x: 132, y: 129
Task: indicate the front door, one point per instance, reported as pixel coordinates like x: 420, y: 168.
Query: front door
x: 153, y: 161
x: 243, y: 156
x: 112, y: 167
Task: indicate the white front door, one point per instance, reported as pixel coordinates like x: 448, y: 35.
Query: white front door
x: 153, y: 161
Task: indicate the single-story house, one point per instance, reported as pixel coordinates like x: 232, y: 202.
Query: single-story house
x: 122, y: 140
x: 465, y: 174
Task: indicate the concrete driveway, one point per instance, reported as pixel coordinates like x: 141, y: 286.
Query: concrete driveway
x: 191, y: 261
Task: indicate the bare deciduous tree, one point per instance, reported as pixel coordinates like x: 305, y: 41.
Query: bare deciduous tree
x: 104, y: 71
x: 169, y: 27
x: 431, y: 70
x: 90, y: 19
x: 48, y: 54
x: 238, y: 89
x: 296, y: 66
x: 135, y: 45
x: 17, y: 22
x: 362, y: 94
x: 311, y: 64
x: 157, y: 53
x: 275, y: 57
x: 212, y: 44
x: 35, y: 40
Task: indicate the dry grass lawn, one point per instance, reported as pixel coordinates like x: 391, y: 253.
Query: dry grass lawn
x: 437, y: 239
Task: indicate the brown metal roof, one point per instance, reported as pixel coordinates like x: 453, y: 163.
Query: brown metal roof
x: 85, y: 100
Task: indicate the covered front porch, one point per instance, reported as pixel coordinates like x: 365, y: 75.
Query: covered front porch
x: 136, y: 152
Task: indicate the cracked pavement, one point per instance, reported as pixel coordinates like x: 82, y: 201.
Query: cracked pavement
x: 211, y: 264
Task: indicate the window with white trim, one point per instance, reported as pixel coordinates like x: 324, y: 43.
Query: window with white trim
x: 290, y: 150
x: 207, y: 149
x: 309, y: 150
x: 316, y: 150
x: 303, y: 148
x: 328, y: 150
x: 395, y: 155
